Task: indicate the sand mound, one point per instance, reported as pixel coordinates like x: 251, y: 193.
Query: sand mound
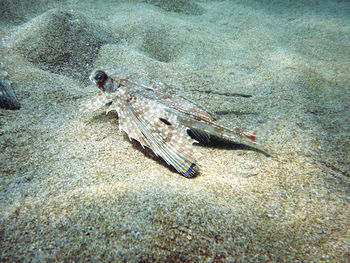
x: 154, y: 36
x: 61, y: 41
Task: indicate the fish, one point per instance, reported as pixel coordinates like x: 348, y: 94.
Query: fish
x: 155, y: 115
x: 8, y: 98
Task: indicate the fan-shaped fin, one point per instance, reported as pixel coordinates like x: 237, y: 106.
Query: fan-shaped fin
x: 156, y: 129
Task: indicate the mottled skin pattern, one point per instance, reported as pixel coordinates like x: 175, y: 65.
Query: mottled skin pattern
x: 151, y: 113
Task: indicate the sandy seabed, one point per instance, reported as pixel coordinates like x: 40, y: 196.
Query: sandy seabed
x: 73, y: 188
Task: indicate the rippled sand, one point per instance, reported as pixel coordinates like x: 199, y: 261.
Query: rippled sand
x: 73, y: 188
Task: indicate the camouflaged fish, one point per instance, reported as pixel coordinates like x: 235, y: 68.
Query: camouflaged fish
x: 152, y: 113
x: 8, y: 99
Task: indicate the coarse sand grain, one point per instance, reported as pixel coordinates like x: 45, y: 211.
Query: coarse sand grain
x: 75, y: 189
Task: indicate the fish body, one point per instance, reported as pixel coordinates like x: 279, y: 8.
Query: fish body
x: 153, y: 114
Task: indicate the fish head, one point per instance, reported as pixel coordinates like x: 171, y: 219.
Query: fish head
x: 103, y: 81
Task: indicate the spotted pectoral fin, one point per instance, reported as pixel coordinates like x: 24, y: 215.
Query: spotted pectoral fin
x: 130, y: 125
x: 98, y: 102
x: 165, y: 137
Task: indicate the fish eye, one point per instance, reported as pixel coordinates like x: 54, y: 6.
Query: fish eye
x: 100, y: 76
